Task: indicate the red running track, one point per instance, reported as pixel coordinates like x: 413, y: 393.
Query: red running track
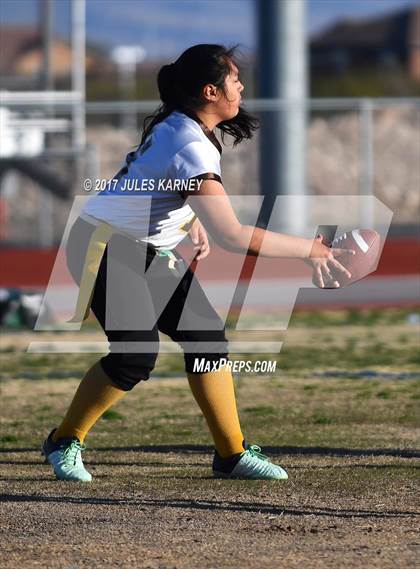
x: 26, y: 268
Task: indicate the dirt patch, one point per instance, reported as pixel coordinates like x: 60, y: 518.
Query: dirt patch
x: 161, y: 510
x: 350, y: 501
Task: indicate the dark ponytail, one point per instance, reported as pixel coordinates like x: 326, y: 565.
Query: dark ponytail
x: 180, y: 85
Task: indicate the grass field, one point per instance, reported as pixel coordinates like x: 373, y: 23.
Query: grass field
x: 341, y: 413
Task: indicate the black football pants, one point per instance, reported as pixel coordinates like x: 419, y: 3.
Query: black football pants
x: 201, y: 333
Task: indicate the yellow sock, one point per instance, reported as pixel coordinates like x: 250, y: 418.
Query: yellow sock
x: 215, y: 394
x: 95, y: 394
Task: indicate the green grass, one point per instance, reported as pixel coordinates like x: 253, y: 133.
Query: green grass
x: 261, y: 410
x: 384, y: 394
x: 8, y: 439
x: 111, y: 415
x: 318, y: 340
x: 339, y: 381
x: 321, y: 319
x: 334, y: 412
x: 350, y: 317
x: 321, y: 419
x: 351, y: 356
x: 309, y: 387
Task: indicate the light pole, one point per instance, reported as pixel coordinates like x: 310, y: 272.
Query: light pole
x: 127, y: 57
x: 283, y: 76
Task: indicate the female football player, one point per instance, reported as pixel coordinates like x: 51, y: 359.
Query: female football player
x: 118, y: 232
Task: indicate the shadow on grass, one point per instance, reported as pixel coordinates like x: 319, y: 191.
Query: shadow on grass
x: 146, y: 464
x: 27, y: 479
x: 275, y: 450
x: 213, y: 505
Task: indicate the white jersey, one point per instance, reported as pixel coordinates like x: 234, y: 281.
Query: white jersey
x: 144, y: 201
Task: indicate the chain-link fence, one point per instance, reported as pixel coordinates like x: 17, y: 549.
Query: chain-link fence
x: 354, y: 146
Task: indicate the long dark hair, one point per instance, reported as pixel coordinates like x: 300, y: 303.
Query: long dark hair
x: 180, y: 86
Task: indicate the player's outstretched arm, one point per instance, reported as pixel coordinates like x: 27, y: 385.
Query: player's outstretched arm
x: 214, y: 208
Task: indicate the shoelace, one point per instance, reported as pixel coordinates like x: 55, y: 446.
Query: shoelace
x: 70, y: 452
x: 255, y: 450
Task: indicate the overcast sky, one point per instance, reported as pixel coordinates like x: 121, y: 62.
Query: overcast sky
x: 166, y: 27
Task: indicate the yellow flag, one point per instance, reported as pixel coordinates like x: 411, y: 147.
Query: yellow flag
x: 97, y: 244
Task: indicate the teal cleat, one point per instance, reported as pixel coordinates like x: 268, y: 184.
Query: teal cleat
x: 65, y: 456
x: 248, y: 465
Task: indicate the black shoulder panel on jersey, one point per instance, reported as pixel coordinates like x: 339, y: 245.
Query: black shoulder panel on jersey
x: 208, y: 176
x: 205, y: 176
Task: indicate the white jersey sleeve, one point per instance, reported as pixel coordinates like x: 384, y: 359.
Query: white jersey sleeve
x: 179, y: 149
x: 195, y: 159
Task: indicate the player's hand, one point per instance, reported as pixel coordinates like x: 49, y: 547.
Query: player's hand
x: 200, y: 240
x: 323, y: 261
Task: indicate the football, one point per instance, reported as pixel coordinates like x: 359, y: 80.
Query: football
x: 366, y: 243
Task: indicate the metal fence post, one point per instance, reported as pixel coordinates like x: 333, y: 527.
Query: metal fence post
x: 366, y: 160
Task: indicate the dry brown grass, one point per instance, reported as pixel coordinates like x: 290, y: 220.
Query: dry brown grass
x: 350, y: 501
